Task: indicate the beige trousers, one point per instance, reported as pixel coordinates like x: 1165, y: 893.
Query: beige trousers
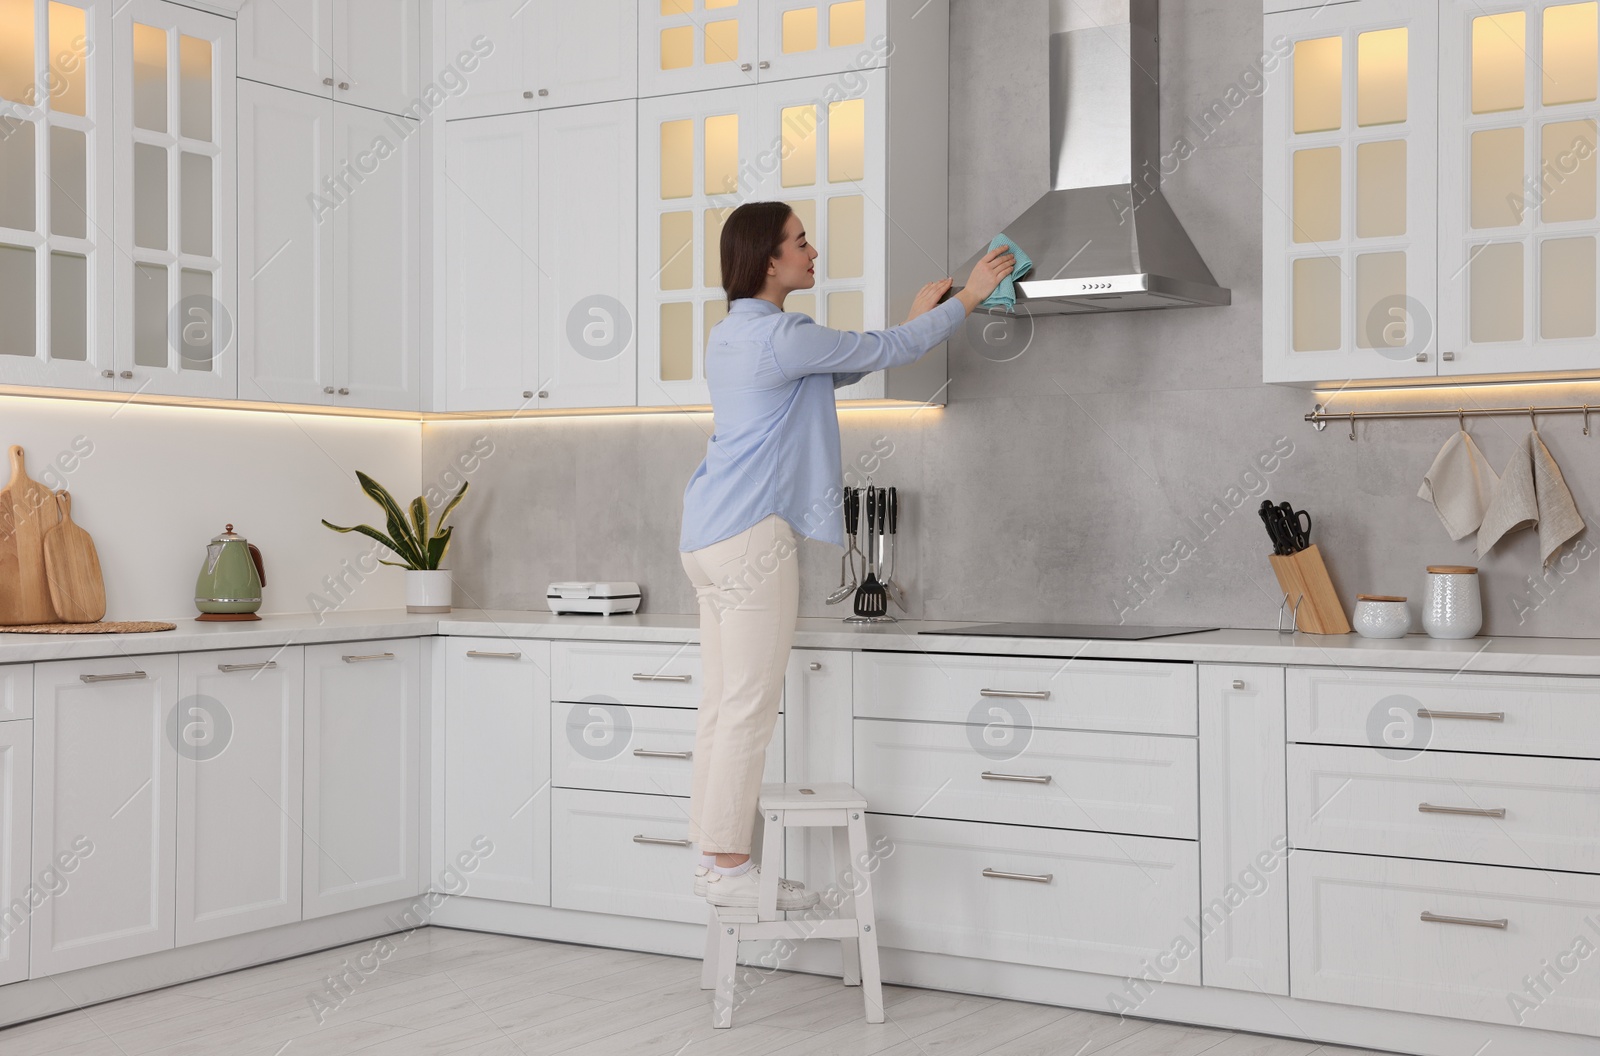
x: 748, y: 589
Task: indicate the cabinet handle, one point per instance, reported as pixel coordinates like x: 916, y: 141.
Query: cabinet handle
x: 1481, y: 716
x: 1475, y: 922
x: 344, y: 86
x: 344, y: 392
x: 527, y: 394
x: 745, y: 66
x: 1477, y: 812
x: 265, y: 665
x: 108, y: 373
x: 764, y: 65
x: 1238, y: 683
x: 1038, y: 878
x: 369, y: 656
x: 328, y: 81
x: 126, y: 375
x: 1030, y: 694
x: 328, y: 389
x: 544, y: 394
x: 1448, y: 357
x: 637, y: 677
x: 496, y: 656
x: 813, y: 665
x: 113, y: 678
x: 543, y: 92
x: 1039, y: 779
x: 527, y: 95
x: 647, y: 753
x: 660, y: 841
x: 1422, y: 357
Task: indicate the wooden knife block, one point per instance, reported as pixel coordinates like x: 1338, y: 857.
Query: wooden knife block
x: 1304, y: 576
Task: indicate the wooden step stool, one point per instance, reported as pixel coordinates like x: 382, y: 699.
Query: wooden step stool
x: 799, y: 806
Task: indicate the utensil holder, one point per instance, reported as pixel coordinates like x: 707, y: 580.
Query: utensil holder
x: 1304, y: 578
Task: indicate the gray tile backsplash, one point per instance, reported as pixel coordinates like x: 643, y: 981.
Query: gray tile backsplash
x: 1110, y: 470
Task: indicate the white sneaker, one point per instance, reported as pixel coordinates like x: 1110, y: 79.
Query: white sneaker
x: 703, y: 871
x: 740, y: 892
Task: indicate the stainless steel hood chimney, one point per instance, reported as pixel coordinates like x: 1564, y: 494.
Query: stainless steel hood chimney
x: 1104, y: 238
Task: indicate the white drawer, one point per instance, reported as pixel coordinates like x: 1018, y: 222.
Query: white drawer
x: 1127, y: 696
x: 621, y: 748
x: 1361, y: 800
x: 1411, y: 710
x: 1357, y: 937
x: 651, y: 673
x: 612, y: 852
x: 1107, y: 782
x: 16, y: 691
x: 1113, y: 904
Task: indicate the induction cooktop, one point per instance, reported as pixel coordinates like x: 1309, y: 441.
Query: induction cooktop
x: 1110, y: 631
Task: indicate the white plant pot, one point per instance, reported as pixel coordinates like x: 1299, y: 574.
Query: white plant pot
x: 428, y: 590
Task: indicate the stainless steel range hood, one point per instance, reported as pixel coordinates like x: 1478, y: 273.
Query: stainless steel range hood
x: 1104, y: 238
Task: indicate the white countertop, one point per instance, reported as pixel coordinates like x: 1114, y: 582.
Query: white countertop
x: 1550, y: 656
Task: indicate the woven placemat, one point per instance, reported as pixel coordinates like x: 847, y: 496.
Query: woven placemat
x: 113, y: 627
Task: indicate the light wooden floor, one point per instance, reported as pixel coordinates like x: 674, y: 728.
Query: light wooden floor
x: 446, y: 991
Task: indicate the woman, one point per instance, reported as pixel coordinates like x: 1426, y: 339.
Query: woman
x: 772, y: 465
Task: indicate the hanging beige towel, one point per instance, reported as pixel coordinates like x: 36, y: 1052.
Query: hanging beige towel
x: 1460, y: 484
x: 1531, y: 492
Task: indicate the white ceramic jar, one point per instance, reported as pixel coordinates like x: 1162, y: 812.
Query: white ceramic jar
x: 1453, y: 607
x: 1381, y: 616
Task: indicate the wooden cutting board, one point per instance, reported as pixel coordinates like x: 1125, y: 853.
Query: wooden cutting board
x: 77, y: 591
x: 30, y: 509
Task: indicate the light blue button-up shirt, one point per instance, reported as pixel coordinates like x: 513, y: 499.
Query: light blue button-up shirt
x: 774, y: 446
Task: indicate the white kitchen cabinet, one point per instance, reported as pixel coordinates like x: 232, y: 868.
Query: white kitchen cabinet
x: 817, y: 740
x: 56, y: 242
x: 105, y: 769
x: 362, y: 779
x: 875, y: 207
x: 365, y: 52
x: 529, y: 58
x: 1350, y: 177
x: 240, y: 736
x: 540, y: 296
x: 330, y: 248
x: 805, y: 38
x: 616, y: 852
x: 1519, y: 98
x: 497, y: 764
x: 694, y: 45
x: 175, y: 287
x: 655, y: 674
x: 628, y: 748
x: 16, y: 850
x: 16, y: 691
x: 1244, y: 842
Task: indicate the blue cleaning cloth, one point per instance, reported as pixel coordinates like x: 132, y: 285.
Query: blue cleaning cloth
x: 1005, y: 294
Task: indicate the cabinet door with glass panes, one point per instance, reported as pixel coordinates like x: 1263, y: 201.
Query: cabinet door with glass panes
x: 693, y: 172
x: 1518, y: 228
x: 804, y: 38
x: 829, y: 147
x: 1349, y: 184
x: 174, y: 218
x: 56, y: 246
x: 692, y: 45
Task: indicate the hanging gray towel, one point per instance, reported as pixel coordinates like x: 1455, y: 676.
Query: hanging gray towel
x: 1531, y: 492
x: 1460, y: 484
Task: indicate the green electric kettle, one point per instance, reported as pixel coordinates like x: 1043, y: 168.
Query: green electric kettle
x: 229, y: 587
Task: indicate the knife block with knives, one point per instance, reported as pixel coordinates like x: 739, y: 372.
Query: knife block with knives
x: 1302, y: 574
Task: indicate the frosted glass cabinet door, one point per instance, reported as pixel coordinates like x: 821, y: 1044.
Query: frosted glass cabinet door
x: 492, y: 273
x: 285, y: 246
x: 56, y: 246
x: 1519, y: 108
x: 804, y: 38
x: 690, y: 45
x: 175, y: 296
x: 1349, y: 282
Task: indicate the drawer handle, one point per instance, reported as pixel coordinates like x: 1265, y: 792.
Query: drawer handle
x: 1038, y: 878
x: 1029, y: 694
x: 113, y: 678
x: 660, y: 841
x: 1481, y: 716
x: 369, y: 656
x: 1473, y: 922
x: 265, y: 665
x: 496, y: 656
x: 1477, y: 812
x: 647, y: 753
x: 1040, y: 779
x: 637, y: 677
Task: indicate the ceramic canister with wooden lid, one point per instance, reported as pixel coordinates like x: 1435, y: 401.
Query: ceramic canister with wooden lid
x: 1453, y: 605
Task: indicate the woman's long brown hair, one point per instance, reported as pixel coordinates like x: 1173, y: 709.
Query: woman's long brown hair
x: 751, y: 237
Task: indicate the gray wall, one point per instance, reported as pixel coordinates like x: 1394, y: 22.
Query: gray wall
x: 1103, y: 454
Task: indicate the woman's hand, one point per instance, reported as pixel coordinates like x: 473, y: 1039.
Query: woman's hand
x: 986, y: 275
x: 928, y: 297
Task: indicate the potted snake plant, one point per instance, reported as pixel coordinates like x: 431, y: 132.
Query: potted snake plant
x: 419, y: 547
